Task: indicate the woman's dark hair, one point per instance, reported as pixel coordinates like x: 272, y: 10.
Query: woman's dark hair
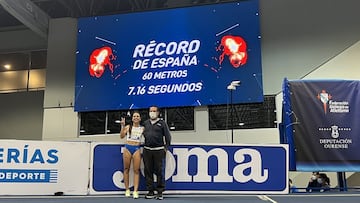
x: 157, y: 108
x: 325, y: 177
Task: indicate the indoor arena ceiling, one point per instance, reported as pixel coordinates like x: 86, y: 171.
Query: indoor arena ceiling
x: 83, y: 8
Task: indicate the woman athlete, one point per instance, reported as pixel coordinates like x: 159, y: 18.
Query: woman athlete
x: 132, y: 133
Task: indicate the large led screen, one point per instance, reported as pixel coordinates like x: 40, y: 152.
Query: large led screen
x: 169, y: 58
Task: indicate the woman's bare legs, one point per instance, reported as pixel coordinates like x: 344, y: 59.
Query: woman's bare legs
x: 136, y: 166
x: 126, y: 161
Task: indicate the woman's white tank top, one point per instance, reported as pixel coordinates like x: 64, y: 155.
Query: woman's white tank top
x: 136, y: 133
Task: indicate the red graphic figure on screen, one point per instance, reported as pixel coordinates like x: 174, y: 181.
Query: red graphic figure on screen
x: 235, y: 48
x: 99, y: 58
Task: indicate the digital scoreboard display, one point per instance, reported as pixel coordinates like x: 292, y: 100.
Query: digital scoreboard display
x: 169, y: 58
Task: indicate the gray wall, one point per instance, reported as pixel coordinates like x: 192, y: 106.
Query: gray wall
x: 60, y: 75
x: 300, y: 36
x: 20, y: 39
x: 21, y: 115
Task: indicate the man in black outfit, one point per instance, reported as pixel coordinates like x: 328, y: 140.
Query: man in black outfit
x: 157, y: 140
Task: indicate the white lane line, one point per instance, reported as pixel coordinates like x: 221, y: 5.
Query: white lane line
x: 266, y: 198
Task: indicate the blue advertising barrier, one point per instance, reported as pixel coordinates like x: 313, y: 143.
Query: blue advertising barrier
x: 260, y: 169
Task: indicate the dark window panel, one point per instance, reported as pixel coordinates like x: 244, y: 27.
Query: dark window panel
x: 38, y: 59
x: 243, y: 116
x: 113, y: 125
x: 92, y: 123
x: 181, y: 118
x: 17, y: 61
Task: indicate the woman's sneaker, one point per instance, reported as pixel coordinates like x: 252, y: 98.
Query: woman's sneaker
x: 127, y: 193
x: 135, y: 195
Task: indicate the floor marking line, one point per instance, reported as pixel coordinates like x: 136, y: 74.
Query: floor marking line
x: 266, y: 198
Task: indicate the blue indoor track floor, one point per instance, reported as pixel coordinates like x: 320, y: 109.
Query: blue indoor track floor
x: 340, y: 197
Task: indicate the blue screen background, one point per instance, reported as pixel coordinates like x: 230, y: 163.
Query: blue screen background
x: 208, y: 24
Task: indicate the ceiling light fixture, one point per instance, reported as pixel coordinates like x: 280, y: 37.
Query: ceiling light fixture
x: 233, y: 85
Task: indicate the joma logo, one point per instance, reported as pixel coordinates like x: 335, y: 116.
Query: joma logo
x: 257, y: 172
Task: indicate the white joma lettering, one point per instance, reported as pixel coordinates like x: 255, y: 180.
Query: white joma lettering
x: 256, y: 171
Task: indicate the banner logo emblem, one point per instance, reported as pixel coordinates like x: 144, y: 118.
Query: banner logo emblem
x: 324, y: 97
x: 335, y: 131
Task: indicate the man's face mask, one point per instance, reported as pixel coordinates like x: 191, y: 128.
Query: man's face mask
x: 153, y: 115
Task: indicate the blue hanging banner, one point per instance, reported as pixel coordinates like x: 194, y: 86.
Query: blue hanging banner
x: 325, y: 128
x: 286, y: 127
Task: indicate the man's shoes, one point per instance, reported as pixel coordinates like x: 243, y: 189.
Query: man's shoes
x: 135, y: 194
x: 159, y: 196
x: 150, y: 195
x: 127, y: 193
